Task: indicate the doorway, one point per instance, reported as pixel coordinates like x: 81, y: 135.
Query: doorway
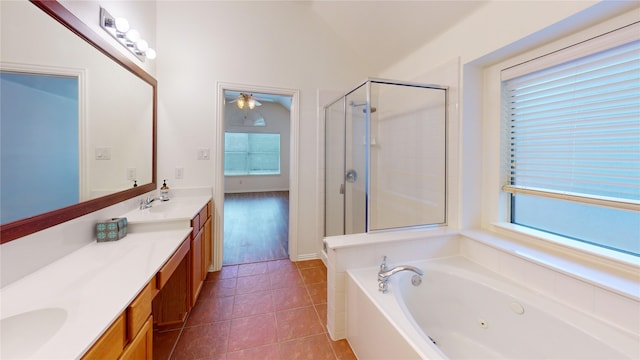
x: 257, y: 181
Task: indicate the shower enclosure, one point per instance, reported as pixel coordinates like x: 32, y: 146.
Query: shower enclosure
x: 385, y: 152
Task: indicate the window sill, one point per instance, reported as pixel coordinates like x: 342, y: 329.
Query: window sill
x: 604, y: 268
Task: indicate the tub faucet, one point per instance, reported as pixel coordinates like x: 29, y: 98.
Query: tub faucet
x: 385, y: 273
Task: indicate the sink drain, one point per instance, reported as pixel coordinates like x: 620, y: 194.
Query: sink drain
x: 483, y: 323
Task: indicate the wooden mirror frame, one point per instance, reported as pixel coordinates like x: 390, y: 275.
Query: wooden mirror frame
x: 23, y: 227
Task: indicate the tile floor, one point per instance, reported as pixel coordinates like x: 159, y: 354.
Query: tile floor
x: 266, y: 310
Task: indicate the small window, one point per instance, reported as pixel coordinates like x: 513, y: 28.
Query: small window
x: 251, y: 154
x: 572, y: 131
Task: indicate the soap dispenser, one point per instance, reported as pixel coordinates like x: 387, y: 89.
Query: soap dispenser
x: 164, y: 191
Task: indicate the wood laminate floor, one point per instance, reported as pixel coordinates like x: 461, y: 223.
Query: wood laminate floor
x: 256, y: 227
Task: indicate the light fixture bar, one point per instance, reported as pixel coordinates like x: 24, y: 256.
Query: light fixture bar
x: 129, y: 38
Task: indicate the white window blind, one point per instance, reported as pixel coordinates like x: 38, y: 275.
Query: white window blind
x: 573, y: 129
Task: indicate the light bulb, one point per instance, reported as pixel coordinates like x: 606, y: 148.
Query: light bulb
x: 133, y: 35
x: 252, y: 103
x: 122, y: 25
x: 142, y: 45
x: 241, y: 102
x: 151, y: 54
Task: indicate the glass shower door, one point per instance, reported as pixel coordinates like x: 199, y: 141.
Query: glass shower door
x: 334, y: 168
x: 355, y: 175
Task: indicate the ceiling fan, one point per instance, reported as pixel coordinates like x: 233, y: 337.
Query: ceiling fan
x: 246, y: 100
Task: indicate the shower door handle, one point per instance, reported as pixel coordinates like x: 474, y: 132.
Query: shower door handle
x: 351, y: 176
x: 341, y: 189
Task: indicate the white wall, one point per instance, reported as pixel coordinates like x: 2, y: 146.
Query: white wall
x: 275, y: 44
x: 276, y: 119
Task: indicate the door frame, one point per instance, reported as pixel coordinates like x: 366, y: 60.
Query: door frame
x: 218, y: 161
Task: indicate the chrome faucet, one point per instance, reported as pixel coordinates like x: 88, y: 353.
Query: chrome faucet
x: 385, y: 273
x: 146, y: 203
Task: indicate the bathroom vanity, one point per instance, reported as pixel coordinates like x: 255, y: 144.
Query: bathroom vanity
x: 102, y: 300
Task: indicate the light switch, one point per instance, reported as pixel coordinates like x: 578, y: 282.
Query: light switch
x: 179, y: 173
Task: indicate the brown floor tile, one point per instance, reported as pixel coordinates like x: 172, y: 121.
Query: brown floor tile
x: 297, y: 323
x: 318, y: 292
x: 314, y: 347
x: 253, y: 283
x: 310, y: 264
x: 211, y: 310
x: 342, y: 349
x: 252, y: 331
x: 252, y: 269
x: 252, y: 304
x: 227, y: 272
x: 218, y: 288
x: 276, y: 310
x: 163, y: 343
x: 279, y: 266
x: 288, y: 298
x: 203, y: 341
x: 314, y: 275
x: 321, y: 309
x: 266, y: 352
x: 286, y: 279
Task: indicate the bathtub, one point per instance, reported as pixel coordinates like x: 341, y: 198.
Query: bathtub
x: 465, y: 311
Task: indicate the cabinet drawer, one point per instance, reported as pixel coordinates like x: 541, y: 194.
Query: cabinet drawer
x: 170, y: 266
x: 139, y: 310
x: 110, y: 344
x: 195, y: 224
x: 204, y: 215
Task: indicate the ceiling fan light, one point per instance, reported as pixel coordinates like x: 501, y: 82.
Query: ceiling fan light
x: 241, y: 102
x: 252, y: 103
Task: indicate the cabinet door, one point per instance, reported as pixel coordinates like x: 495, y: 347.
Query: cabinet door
x: 110, y: 344
x: 196, y: 267
x: 171, y: 304
x: 207, y: 241
x: 141, y: 347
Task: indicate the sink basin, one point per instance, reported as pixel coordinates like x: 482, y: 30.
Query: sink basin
x: 159, y: 206
x: 23, y: 334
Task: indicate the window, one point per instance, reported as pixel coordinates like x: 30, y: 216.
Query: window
x: 251, y: 154
x: 572, y: 129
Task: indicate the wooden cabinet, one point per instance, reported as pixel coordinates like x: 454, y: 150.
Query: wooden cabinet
x: 200, y: 250
x: 131, y: 335
x: 196, y: 268
x: 111, y: 343
x: 180, y: 280
x: 141, y: 346
x: 172, y: 303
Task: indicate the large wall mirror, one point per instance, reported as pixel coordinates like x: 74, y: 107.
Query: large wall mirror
x: 78, y: 120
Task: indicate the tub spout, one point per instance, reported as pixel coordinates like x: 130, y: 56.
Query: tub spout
x: 384, y: 274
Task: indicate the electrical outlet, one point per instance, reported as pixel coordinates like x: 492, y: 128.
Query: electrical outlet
x: 131, y: 173
x: 203, y: 154
x: 179, y: 173
x: 103, y: 153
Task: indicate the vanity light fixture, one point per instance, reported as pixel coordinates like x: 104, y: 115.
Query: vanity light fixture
x: 120, y: 29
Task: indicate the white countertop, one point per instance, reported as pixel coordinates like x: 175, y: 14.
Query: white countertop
x: 176, y: 209
x: 63, y: 308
